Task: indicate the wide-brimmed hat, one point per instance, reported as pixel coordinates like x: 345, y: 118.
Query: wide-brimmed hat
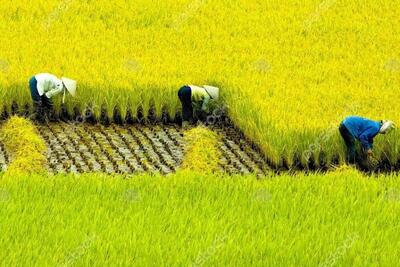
x: 386, y: 127
x: 212, y: 91
x: 70, y: 85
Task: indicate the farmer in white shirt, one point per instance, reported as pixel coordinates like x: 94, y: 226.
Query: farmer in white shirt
x: 195, y: 98
x: 43, y: 87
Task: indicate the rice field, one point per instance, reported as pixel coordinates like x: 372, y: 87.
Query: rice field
x: 288, y: 78
x: 115, y: 180
x: 339, y: 219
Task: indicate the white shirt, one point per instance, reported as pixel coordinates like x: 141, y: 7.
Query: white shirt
x: 48, y: 84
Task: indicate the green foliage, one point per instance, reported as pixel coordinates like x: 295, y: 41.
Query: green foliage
x: 201, y: 153
x: 189, y: 218
x: 24, y: 145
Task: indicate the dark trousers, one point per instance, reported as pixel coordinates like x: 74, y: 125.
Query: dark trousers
x: 350, y: 142
x: 34, y: 92
x: 185, y: 96
x: 42, y: 105
x: 43, y: 100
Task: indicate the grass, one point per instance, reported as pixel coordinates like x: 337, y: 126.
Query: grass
x: 288, y: 78
x: 342, y: 218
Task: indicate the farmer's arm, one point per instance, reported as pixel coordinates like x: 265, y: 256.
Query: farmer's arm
x: 55, y: 87
x: 367, y: 140
x: 53, y: 92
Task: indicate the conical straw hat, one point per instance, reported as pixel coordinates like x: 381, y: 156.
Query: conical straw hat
x: 70, y: 85
x: 386, y: 127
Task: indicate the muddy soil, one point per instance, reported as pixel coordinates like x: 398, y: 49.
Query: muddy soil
x: 138, y: 148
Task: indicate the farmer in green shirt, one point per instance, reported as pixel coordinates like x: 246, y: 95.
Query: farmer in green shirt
x: 196, y: 98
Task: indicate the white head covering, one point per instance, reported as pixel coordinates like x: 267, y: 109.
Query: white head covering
x: 212, y: 91
x: 70, y: 85
x: 386, y: 127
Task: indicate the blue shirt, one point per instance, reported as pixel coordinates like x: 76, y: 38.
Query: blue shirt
x: 363, y: 129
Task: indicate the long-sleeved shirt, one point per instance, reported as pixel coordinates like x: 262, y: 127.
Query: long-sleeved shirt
x: 48, y: 84
x: 200, y: 95
x: 363, y: 129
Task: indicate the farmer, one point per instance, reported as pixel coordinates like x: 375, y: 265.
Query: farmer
x: 364, y: 130
x: 43, y: 87
x: 196, y: 99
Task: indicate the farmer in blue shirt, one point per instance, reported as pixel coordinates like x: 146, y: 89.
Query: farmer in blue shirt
x: 364, y: 130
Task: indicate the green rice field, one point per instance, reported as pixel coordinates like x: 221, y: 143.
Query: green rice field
x: 339, y: 219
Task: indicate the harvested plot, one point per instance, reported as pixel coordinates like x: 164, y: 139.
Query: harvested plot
x: 82, y: 148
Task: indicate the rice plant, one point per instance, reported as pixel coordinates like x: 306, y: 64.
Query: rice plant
x: 341, y: 219
x: 287, y: 78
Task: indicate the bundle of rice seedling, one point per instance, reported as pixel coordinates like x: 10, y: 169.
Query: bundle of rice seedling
x: 201, y: 153
x: 24, y: 145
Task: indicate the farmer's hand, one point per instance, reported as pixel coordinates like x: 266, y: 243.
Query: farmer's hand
x: 372, y: 162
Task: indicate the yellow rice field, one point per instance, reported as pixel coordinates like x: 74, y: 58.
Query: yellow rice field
x: 289, y: 71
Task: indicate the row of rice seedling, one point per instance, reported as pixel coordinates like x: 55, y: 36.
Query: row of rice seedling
x: 288, y: 78
x: 82, y: 148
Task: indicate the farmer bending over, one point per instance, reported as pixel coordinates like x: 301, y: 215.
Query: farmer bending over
x: 43, y: 87
x: 196, y: 99
x: 364, y: 130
